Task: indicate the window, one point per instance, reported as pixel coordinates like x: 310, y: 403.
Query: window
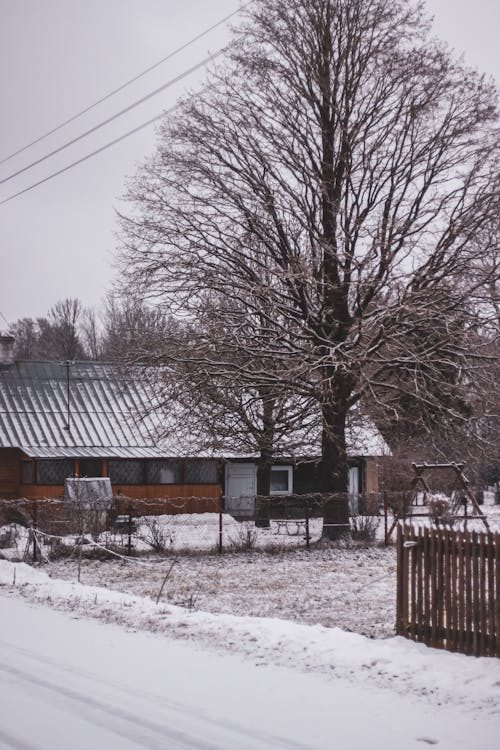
x: 27, y: 472
x: 281, y: 480
x: 201, y: 471
x: 126, y: 471
x: 90, y: 467
x: 163, y: 472
x: 53, y: 471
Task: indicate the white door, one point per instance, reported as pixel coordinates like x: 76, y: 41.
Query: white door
x: 241, y: 488
x: 354, y: 489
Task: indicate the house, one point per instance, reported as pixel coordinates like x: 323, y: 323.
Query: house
x: 61, y: 419
x: 298, y: 474
x: 90, y: 419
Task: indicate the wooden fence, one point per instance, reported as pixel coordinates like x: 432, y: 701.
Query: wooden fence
x: 448, y: 589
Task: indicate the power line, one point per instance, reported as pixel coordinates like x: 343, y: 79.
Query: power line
x: 88, y: 156
x: 127, y: 83
x: 143, y: 99
x: 94, y: 153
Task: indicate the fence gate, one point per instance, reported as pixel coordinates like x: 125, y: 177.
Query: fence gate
x: 448, y: 589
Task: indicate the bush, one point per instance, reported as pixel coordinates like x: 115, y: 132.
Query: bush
x: 364, y: 528
x: 245, y: 539
x: 441, y: 508
x: 155, y: 534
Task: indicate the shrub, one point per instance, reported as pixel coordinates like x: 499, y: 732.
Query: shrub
x: 155, y: 534
x: 245, y: 539
x: 441, y: 508
x: 364, y: 528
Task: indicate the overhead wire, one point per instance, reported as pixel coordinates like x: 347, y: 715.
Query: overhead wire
x: 89, y: 156
x: 123, y: 111
x: 124, y: 85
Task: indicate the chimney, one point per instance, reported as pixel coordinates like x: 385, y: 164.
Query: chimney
x: 7, y: 350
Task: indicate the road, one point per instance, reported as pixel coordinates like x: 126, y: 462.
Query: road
x: 68, y: 682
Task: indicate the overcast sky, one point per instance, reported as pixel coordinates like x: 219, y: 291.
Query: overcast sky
x: 59, y: 56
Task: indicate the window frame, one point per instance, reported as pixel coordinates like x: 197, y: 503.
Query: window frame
x: 43, y: 462
x: 175, y: 465
x: 212, y: 462
x: 27, y: 465
x: 128, y: 461
x: 289, y: 470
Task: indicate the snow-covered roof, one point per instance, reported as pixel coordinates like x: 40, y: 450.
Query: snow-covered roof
x: 94, y: 409
x: 52, y: 409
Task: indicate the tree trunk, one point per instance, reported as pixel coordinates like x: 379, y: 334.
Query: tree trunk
x: 334, y: 473
x: 265, y: 460
x: 263, y: 490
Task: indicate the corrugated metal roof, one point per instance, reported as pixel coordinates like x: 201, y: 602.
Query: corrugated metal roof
x: 112, y: 415
x: 107, y: 405
x: 94, y: 452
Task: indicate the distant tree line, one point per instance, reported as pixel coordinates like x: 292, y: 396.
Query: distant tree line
x: 71, y: 331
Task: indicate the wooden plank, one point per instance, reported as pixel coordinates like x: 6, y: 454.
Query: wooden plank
x: 404, y: 581
x: 413, y: 554
x: 452, y: 589
x: 427, y: 582
x: 448, y: 583
x: 433, y: 587
x: 468, y: 595
x: 497, y: 592
x: 419, y: 614
x: 475, y: 614
x: 399, y: 582
x: 442, y: 580
x: 460, y: 643
x: 483, y: 624
x: 491, y: 596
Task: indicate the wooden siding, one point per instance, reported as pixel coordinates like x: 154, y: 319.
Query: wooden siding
x: 41, y: 491
x: 152, y: 491
x: 9, y: 472
x: 370, y: 478
x: 123, y: 492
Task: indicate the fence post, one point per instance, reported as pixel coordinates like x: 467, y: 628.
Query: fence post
x: 220, y: 528
x: 129, y: 542
x: 34, y: 528
x: 400, y: 573
x: 386, y: 520
x: 308, y: 538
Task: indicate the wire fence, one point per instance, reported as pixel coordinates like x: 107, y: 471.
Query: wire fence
x: 41, y: 530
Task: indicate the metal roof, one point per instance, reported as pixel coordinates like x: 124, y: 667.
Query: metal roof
x: 112, y: 415
x: 110, y: 451
x: 106, y: 414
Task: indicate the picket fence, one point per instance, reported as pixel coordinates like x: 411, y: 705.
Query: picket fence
x: 448, y: 589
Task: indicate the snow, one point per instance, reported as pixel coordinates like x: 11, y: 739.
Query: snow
x: 252, y: 649
x: 222, y: 680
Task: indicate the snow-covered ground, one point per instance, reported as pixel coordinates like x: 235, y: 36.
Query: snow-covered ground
x: 167, y: 677
x: 243, y: 650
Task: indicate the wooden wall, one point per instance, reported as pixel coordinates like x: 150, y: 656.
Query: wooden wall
x: 370, y: 478
x: 9, y: 472
x: 132, y: 491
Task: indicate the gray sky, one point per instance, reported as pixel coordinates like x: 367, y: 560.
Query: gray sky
x: 59, y: 56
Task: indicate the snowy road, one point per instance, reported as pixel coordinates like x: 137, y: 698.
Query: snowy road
x: 47, y: 702
x: 69, y: 682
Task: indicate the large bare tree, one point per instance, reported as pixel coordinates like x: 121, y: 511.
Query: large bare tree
x: 335, y: 175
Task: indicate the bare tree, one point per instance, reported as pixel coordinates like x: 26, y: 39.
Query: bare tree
x: 61, y: 336
x: 131, y: 329
x: 26, y: 335
x: 56, y: 336
x: 217, y: 408
x: 333, y: 176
